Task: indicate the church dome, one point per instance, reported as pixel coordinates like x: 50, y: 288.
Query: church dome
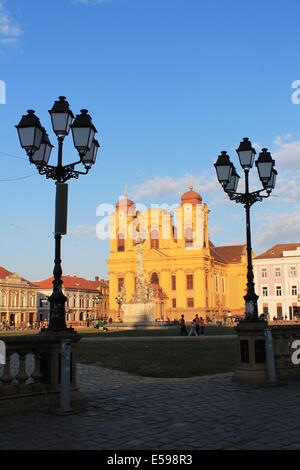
x: 191, y: 197
x: 125, y: 204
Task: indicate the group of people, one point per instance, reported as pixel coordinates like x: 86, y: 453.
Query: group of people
x: 6, y: 325
x: 197, y: 326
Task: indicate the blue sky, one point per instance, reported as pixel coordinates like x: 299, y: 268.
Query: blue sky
x: 169, y: 84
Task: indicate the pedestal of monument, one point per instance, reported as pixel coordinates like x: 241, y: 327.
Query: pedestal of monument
x: 139, y: 313
x: 252, y: 367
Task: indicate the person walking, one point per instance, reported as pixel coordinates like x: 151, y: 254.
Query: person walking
x: 182, y: 326
x: 201, y: 325
x: 197, y: 320
x: 193, y: 328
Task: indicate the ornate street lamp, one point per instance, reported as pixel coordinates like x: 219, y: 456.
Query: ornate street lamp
x: 34, y: 139
x: 96, y: 300
x: 228, y: 178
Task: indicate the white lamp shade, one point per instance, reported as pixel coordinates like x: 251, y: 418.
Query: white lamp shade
x: 246, y: 153
x: 61, y: 117
x: 223, y: 168
x: 89, y: 158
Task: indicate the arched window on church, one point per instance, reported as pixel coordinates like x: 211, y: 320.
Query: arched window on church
x: 154, y: 239
x: 154, y: 279
x: 121, y: 242
x: 188, y: 233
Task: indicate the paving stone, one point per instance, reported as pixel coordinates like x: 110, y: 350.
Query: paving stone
x: 125, y: 411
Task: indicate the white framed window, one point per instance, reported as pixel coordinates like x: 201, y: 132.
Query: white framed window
x: 293, y: 271
x: 223, y: 285
x: 31, y: 300
x: 294, y: 290
x: 278, y: 291
x: 265, y: 291
x: 277, y: 272
x: 14, y: 300
x: 217, y: 283
x: 264, y: 273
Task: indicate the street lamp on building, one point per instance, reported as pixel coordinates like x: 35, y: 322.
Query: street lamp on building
x: 119, y: 301
x: 229, y: 179
x: 35, y: 141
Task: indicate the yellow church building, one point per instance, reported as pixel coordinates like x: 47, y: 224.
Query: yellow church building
x: 187, y: 272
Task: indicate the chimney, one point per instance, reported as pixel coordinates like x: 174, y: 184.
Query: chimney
x: 97, y: 278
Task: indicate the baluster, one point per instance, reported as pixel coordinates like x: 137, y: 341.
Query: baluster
x: 37, y: 374
x: 7, y: 386
x: 22, y: 375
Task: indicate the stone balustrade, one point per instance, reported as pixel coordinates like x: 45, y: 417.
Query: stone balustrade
x: 31, y: 375
x: 283, y: 336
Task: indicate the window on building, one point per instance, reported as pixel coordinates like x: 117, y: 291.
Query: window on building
x: 293, y: 271
x: 264, y: 273
x: 188, y: 234
x: 120, y: 283
x: 31, y: 300
x: 189, y: 281
x: 278, y: 291
x: 277, y: 272
x: 217, y: 283
x: 121, y: 242
x: 190, y: 302
x: 265, y: 291
x: 223, y: 285
x: 174, y: 303
x: 266, y: 311
x: 294, y: 290
x: 173, y: 282
x: 154, y: 279
x: 279, y: 312
x: 154, y: 239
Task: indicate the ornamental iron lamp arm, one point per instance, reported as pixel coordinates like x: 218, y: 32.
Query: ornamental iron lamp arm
x: 228, y: 178
x: 34, y: 139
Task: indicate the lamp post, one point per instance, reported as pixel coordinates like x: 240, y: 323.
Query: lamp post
x: 96, y: 300
x: 35, y: 141
x: 228, y: 178
x: 119, y: 300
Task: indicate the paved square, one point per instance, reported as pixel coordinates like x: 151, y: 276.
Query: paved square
x: 124, y: 411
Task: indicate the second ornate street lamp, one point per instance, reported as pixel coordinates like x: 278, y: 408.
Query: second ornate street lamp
x: 96, y: 300
x: 35, y: 141
x: 229, y: 179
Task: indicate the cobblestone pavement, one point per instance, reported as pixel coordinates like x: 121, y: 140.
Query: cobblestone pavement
x: 124, y: 411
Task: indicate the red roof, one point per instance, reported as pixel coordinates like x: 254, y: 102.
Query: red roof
x: 4, y: 273
x: 276, y: 251
x: 70, y: 282
x: 100, y: 283
x: 229, y: 254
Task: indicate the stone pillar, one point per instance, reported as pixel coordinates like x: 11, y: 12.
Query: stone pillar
x: 252, y: 367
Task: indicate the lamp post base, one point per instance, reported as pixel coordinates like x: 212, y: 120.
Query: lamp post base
x: 252, y: 367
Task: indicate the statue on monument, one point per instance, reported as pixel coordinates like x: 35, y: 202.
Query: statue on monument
x: 140, y: 309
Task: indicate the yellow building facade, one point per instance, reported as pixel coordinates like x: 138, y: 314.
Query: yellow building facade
x: 188, y: 273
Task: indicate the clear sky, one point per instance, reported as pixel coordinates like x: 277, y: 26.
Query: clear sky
x: 169, y: 84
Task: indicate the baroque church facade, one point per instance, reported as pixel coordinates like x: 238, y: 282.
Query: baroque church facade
x: 187, y: 272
